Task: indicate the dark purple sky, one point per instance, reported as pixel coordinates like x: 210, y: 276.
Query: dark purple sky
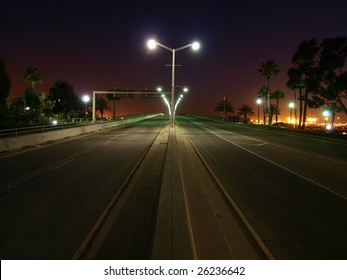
x: 95, y: 45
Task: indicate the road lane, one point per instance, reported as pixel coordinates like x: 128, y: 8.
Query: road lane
x: 312, y: 167
x: 294, y: 216
x: 51, y: 196
x: 292, y: 192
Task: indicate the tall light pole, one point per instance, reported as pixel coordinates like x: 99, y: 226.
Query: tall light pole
x: 185, y: 90
x: 326, y: 114
x: 291, y: 106
x: 151, y: 45
x: 258, y: 102
x: 86, y: 99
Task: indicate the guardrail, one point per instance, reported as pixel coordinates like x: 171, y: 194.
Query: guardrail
x: 11, y: 139
x: 15, y: 132
x: 37, y: 129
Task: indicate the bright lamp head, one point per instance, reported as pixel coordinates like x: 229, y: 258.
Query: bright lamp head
x: 86, y: 98
x: 151, y: 44
x: 196, y: 46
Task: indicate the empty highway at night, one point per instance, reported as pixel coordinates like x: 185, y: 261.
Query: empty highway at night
x: 204, y: 189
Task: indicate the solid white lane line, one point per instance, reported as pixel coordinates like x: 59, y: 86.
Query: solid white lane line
x: 278, y: 165
x: 63, y: 164
x: 334, y: 160
x: 239, y: 212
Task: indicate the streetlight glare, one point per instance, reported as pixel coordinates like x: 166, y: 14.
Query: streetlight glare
x: 151, y: 44
x: 196, y: 46
x: 326, y: 113
x: 86, y: 98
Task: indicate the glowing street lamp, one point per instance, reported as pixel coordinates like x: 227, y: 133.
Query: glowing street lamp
x: 291, y: 106
x: 152, y: 44
x: 167, y: 104
x: 86, y: 99
x: 185, y: 90
x: 326, y: 114
x: 258, y: 102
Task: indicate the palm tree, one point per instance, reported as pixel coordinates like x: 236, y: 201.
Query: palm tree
x: 102, y: 105
x: 32, y: 76
x: 305, y: 60
x: 268, y: 69
x: 295, y: 82
x: 272, y: 109
x: 246, y: 110
x: 113, y: 97
x: 263, y: 94
x: 224, y: 106
x: 277, y: 94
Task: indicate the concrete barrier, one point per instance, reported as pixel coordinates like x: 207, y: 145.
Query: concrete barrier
x: 15, y: 142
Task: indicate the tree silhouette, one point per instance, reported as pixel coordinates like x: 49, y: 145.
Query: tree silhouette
x: 224, y: 106
x: 245, y: 111
x: 267, y: 69
x: 32, y: 76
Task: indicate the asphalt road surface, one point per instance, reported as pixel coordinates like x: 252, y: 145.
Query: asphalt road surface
x: 52, y: 195
x: 290, y: 187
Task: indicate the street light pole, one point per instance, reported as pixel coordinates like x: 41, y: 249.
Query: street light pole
x: 258, y: 102
x: 173, y: 89
x: 291, y: 106
x: 151, y: 45
x: 86, y: 99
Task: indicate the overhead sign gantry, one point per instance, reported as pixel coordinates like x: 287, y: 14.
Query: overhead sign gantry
x: 127, y: 93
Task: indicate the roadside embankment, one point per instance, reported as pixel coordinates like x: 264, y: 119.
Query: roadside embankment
x: 14, y: 142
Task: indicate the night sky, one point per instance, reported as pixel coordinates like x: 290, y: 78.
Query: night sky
x: 95, y: 45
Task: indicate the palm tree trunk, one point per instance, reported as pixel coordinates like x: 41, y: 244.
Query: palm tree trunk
x: 264, y: 113
x: 295, y: 111
x: 332, y: 120
x: 305, y: 110
x: 268, y: 101
x: 300, y: 112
